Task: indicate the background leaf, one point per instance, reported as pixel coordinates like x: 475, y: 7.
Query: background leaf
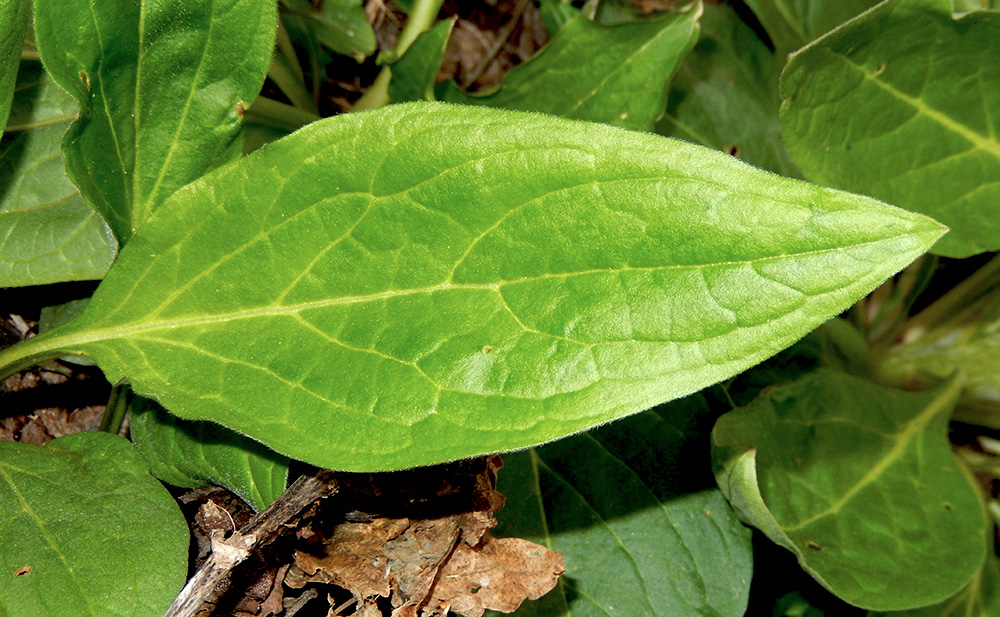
x: 633, y: 498
x: 161, y: 97
x: 13, y: 23
x: 433, y: 282
x: 980, y: 598
x: 860, y: 483
x: 191, y: 454
x: 82, y: 520
x: 792, y: 23
x: 623, y: 82
x: 340, y: 25
x: 48, y: 233
x: 902, y: 104
x: 725, y: 94
x: 413, y: 75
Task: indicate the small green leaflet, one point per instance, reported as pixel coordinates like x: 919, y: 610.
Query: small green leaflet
x: 427, y: 282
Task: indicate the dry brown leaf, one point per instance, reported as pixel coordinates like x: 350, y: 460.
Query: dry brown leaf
x: 499, y: 575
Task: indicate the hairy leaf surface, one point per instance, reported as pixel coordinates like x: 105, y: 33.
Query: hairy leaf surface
x: 633, y: 498
x: 48, y: 233
x: 427, y: 282
x: 160, y: 96
x: 623, y: 83
x: 191, y: 454
x: 903, y: 103
x: 860, y: 483
x: 87, y: 531
x: 13, y: 22
x: 729, y: 69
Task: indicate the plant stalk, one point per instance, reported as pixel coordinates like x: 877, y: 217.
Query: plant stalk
x: 117, y: 408
x: 421, y: 18
x: 951, y: 303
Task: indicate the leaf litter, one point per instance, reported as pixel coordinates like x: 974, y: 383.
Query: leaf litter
x: 437, y: 558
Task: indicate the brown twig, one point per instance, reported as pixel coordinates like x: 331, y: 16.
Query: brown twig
x: 227, y: 553
x: 498, y: 44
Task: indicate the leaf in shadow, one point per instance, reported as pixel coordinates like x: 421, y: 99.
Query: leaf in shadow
x: 860, y: 483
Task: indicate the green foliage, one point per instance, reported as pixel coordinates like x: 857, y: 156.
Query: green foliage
x: 875, y: 106
x: 860, y: 483
x: 429, y: 281
x: 476, y: 280
x: 632, y: 498
x: 161, y: 98
x: 13, y: 20
x: 56, y: 561
x: 624, y: 85
x: 50, y: 233
x: 192, y: 454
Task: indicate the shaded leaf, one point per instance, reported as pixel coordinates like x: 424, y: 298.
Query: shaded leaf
x: 623, y: 83
x: 340, y: 25
x: 433, y: 282
x: 48, y: 233
x: 82, y: 520
x: 980, y: 598
x: 881, y: 106
x: 790, y: 24
x: 629, y: 505
x: 13, y: 23
x: 161, y: 97
x: 860, y: 483
x: 413, y: 75
x: 200, y: 453
x: 725, y: 94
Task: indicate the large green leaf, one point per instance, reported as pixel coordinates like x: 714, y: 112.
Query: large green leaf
x: 903, y: 103
x: 161, y: 96
x: 48, y: 233
x: 191, y: 454
x: 612, y: 74
x: 860, y: 483
x: 87, y: 531
x: 13, y: 22
x: 428, y: 282
x: 790, y: 24
x: 630, y: 499
x: 725, y: 94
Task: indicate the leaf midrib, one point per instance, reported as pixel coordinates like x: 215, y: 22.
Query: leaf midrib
x: 903, y: 438
x: 70, y: 340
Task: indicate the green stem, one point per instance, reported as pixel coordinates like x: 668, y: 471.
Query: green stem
x: 951, y: 303
x: 421, y: 18
x: 114, y: 413
x: 291, y: 86
x: 278, y: 115
x: 28, y: 353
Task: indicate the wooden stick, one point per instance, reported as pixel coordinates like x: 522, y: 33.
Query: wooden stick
x: 227, y: 553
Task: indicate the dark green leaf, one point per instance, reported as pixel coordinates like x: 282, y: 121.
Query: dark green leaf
x: 13, y: 22
x: 860, y: 483
x: 162, y: 97
x: 427, y: 282
x: 341, y: 25
x: 628, y: 507
x: 902, y: 104
x: 48, y: 233
x: 725, y: 94
x: 980, y: 598
x: 87, y: 531
x: 556, y: 13
x: 790, y: 24
x: 413, y: 75
x: 201, y: 453
x: 624, y: 83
